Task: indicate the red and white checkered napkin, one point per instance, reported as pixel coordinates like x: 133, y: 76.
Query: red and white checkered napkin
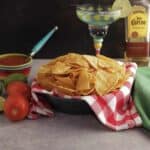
x: 115, y: 110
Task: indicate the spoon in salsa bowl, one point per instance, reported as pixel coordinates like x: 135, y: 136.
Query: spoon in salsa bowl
x: 43, y: 41
x: 19, y: 62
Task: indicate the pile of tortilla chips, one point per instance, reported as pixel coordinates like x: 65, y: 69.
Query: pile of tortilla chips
x: 74, y: 74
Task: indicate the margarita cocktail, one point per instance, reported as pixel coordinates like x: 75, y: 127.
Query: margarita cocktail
x: 98, y: 19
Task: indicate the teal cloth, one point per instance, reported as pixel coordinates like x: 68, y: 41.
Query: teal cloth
x: 141, y: 94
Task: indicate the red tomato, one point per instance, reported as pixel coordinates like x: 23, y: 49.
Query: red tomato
x: 16, y: 107
x: 18, y: 87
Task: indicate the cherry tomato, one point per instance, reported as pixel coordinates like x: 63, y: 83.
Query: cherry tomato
x: 16, y: 107
x: 18, y: 87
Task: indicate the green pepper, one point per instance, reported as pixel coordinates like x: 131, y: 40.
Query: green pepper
x: 15, y: 77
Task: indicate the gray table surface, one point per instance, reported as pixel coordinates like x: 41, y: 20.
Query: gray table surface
x: 67, y: 132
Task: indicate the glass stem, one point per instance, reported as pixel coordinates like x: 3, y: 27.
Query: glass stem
x: 98, y: 45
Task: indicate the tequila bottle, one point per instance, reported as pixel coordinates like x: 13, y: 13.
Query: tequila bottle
x: 137, y: 26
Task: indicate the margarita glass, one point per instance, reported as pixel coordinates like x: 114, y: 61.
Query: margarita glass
x: 98, y: 19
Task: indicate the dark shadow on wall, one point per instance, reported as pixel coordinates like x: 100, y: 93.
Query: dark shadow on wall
x: 24, y: 22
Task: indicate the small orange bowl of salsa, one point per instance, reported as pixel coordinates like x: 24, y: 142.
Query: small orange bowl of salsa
x: 15, y: 63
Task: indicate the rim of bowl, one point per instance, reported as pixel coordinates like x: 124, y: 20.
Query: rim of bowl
x: 102, y: 12
x: 16, y: 66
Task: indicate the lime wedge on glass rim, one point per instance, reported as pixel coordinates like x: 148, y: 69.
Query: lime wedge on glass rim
x: 124, y: 5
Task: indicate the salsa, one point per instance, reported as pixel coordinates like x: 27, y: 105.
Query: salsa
x: 13, y: 60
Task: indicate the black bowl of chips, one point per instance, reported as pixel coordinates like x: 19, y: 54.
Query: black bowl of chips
x: 75, y: 75
x: 68, y: 105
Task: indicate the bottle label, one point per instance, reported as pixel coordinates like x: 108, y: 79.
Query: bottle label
x: 138, y: 23
x: 137, y: 49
